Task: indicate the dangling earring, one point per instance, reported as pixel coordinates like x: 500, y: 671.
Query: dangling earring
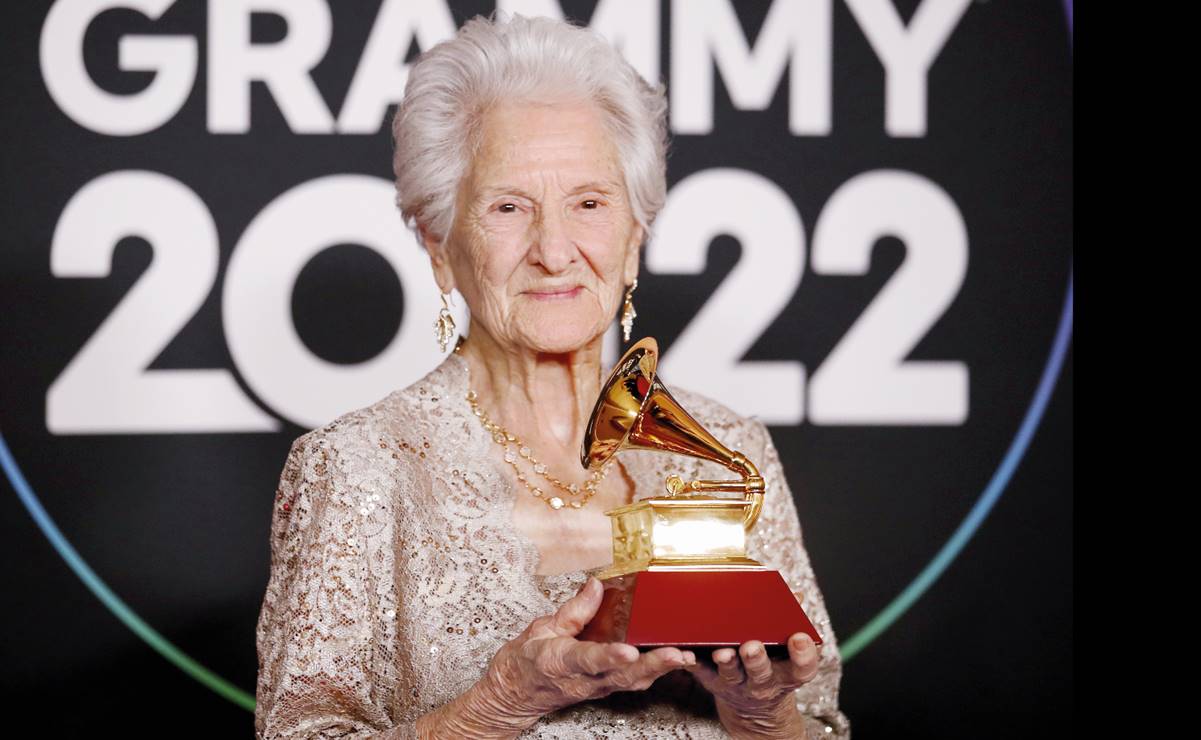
x: 444, y: 327
x: 628, y: 313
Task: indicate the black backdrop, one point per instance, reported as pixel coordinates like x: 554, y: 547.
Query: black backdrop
x: 891, y: 423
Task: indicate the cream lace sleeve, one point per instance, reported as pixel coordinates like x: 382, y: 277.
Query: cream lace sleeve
x: 322, y: 673
x: 776, y: 541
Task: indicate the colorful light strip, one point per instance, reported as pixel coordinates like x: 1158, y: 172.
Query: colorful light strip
x: 106, y: 595
x: 996, y: 486
x: 984, y: 504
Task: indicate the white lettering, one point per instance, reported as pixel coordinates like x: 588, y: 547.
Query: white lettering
x: 381, y: 76
x: 107, y: 388
x: 707, y: 31
x: 630, y: 25
x: 171, y: 58
x: 906, y: 54
x: 256, y: 305
x: 233, y: 63
x: 866, y: 378
x: 707, y: 356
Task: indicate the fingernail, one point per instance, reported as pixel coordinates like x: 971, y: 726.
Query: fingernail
x: 752, y: 651
x: 689, y: 658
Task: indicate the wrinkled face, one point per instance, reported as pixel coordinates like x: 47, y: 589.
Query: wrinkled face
x: 544, y: 240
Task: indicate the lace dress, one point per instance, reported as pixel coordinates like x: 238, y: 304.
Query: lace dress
x: 397, y: 573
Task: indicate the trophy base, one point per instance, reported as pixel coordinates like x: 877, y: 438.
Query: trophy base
x: 693, y: 607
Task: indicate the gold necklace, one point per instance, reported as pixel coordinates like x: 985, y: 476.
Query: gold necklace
x: 505, y: 438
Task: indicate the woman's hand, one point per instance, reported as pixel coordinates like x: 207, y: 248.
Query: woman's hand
x: 545, y: 668
x: 753, y: 692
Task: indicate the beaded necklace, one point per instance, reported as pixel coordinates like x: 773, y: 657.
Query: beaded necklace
x: 508, y: 441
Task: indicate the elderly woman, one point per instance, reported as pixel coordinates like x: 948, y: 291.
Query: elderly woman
x: 432, y: 554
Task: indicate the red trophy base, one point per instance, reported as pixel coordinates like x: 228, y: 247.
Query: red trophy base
x: 694, y: 608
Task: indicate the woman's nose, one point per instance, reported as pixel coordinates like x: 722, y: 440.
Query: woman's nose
x: 552, y: 245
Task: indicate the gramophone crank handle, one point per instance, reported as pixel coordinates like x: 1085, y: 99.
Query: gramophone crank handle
x: 751, y: 488
x: 677, y: 487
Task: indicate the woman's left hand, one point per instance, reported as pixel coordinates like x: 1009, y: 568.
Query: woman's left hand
x: 754, y: 691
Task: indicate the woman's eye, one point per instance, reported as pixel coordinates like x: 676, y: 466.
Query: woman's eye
x: 507, y: 208
x: 590, y: 204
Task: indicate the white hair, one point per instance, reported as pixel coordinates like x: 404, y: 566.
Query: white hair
x: 436, y: 128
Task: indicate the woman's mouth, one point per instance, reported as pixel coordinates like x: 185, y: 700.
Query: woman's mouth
x: 555, y: 294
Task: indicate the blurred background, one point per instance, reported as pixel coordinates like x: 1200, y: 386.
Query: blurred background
x: 867, y: 244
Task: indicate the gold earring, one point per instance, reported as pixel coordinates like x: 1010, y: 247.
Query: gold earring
x: 628, y: 313
x: 444, y: 327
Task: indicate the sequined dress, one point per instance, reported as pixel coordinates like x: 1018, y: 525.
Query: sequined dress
x: 397, y: 573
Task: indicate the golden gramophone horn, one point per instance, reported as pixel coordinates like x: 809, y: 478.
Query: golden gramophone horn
x: 636, y: 412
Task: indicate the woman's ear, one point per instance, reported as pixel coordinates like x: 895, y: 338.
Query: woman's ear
x: 633, y: 250
x: 436, y: 249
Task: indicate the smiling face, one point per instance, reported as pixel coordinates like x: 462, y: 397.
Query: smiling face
x: 544, y: 240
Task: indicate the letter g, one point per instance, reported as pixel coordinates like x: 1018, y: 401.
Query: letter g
x: 171, y: 58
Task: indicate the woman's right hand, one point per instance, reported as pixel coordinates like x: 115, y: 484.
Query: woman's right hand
x: 546, y: 668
